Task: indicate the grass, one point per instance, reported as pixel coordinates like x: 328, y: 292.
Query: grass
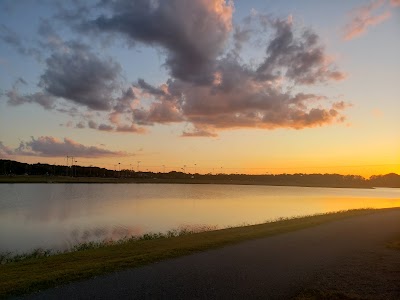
x: 38, y: 272
x: 9, y: 257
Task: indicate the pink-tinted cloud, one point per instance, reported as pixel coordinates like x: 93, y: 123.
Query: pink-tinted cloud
x: 130, y: 129
x: 366, y: 16
x: 5, y: 151
x: 53, y: 147
x: 244, y: 97
x: 395, y: 2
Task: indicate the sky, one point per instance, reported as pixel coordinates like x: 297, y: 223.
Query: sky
x: 207, y: 86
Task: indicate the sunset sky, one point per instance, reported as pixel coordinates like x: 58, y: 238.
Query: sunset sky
x: 301, y: 86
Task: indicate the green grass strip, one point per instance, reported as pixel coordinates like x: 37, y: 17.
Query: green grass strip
x: 35, y: 274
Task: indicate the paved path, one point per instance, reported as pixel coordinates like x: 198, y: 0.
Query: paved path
x: 270, y: 268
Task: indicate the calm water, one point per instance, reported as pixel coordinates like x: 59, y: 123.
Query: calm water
x: 60, y: 215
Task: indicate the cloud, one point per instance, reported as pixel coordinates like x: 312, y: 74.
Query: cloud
x: 80, y: 125
x: 43, y: 99
x: 130, y: 129
x: 198, y: 133
x: 364, y: 17
x: 105, y: 127
x: 52, y: 147
x: 5, y: 150
x: 258, y: 96
x: 92, y: 124
x: 50, y: 39
x: 123, y: 128
x: 12, y: 39
x: 80, y: 76
x: 211, y: 86
x: 192, y: 33
x: 301, y: 59
x: 162, y: 112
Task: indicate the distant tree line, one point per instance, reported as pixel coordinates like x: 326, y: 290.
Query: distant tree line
x: 12, y: 168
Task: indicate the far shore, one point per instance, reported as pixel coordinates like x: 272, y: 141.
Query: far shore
x: 111, y: 180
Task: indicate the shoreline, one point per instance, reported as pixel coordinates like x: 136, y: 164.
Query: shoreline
x: 97, y: 180
x: 35, y: 274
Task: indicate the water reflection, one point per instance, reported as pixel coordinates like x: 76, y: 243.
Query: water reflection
x: 62, y: 215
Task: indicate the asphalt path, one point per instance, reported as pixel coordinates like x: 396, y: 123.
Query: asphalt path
x: 275, y: 267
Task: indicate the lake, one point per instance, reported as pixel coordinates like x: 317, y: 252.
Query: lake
x: 58, y: 216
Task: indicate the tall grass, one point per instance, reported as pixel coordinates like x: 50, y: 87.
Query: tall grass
x: 9, y: 257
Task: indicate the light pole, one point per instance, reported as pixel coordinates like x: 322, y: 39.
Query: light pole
x: 138, y: 164
x: 195, y: 167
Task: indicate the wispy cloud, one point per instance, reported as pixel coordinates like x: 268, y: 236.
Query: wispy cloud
x: 52, y: 147
x: 367, y: 16
x: 11, y: 38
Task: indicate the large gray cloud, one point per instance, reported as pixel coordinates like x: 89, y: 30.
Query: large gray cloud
x: 301, y: 59
x: 193, y: 33
x: 81, y: 76
x: 53, y: 147
x: 244, y: 96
